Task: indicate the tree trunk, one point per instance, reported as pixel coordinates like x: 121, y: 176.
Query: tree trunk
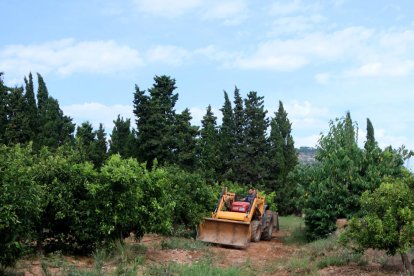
x: 407, y: 264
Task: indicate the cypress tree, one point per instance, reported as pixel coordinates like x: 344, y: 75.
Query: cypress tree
x: 226, y: 139
x: 85, y: 138
x: 55, y: 129
x: 370, y: 143
x: 99, y: 147
x: 208, y: 146
x: 31, y: 108
x: 283, y: 159
x: 155, y: 117
x: 17, y: 130
x: 238, y: 132
x: 122, y: 138
x: 186, y: 143
x: 3, y: 110
x: 254, y: 153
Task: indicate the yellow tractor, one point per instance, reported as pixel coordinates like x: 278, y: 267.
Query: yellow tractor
x: 237, y: 221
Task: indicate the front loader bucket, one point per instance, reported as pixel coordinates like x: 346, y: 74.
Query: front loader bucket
x: 226, y: 232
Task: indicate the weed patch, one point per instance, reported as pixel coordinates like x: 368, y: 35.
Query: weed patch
x: 181, y: 243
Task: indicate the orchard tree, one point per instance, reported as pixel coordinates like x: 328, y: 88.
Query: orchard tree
x: 387, y: 221
x: 21, y: 201
x: 343, y: 173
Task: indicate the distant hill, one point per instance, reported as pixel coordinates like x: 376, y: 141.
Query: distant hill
x: 306, y: 155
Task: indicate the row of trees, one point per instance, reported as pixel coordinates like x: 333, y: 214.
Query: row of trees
x: 63, y: 203
x: 248, y: 147
x: 69, y: 184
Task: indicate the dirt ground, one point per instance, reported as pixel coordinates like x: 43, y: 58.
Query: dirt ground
x: 257, y: 255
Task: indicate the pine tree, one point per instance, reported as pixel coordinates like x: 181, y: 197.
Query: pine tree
x: 122, y: 138
x: 155, y: 117
x: 208, y: 146
x: 186, y: 143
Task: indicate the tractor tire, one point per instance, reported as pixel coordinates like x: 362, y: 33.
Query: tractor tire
x: 256, y: 230
x: 268, y: 228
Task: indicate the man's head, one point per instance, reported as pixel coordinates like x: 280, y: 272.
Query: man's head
x: 251, y: 190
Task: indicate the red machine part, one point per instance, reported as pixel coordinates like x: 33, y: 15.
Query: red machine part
x: 240, y: 206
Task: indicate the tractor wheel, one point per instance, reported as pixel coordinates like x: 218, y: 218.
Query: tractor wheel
x: 256, y: 230
x: 268, y: 229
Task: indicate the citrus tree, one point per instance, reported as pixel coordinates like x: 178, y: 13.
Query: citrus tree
x: 387, y: 221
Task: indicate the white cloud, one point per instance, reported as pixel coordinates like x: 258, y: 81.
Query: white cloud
x: 290, y: 54
x: 168, y: 54
x: 67, y: 56
x: 198, y: 113
x: 384, y: 140
x: 230, y: 12
x: 96, y: 113
x: 306, y: 141
x: 293, y: 25
x: 305, y: 116
x: 322, y: 78
x: 290, y: 7
x: 169, y: 9
x: 380, y: 69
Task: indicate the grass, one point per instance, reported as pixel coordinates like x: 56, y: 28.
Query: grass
x: 203, y: 267
x: 182, y: 243
x: 296, y: 227
x: 125, y: 259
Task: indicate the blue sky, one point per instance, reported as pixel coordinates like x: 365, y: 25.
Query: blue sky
x: 320, y: 58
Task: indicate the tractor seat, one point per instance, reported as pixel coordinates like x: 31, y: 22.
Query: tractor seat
x: 240, y: 206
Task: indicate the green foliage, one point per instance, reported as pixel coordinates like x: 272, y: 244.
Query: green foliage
x: 20, y: 201
x: 55, y: 129
x: 116, y: 197
x: 155, y: 117
x: 122, y: 138
x: 194, y: 198
x: 282, y: 160
x: 255, y: 146
x: 209, y: 146
x: 186, y: 143
x: 387, y: 221
x: 343, y: 173
x: 66, y: 217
